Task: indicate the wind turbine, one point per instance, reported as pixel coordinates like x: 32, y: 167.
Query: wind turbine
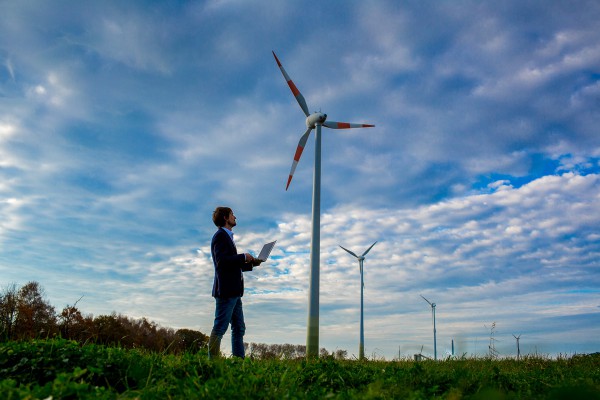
x: 433, y: 315
x: 361, y: 346
x: 313, y: 121
x: 518, y: 348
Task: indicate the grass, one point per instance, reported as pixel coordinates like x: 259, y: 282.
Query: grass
x: 60, y: 369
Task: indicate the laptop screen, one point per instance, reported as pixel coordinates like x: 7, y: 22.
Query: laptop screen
x: 266, y: 250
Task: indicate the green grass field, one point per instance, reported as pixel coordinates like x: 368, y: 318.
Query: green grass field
x: 60, y: 369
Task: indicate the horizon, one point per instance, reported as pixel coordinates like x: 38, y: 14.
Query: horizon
x: 349, y: 355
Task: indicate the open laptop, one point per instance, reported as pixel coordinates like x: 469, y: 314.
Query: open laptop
x: 265, y: 252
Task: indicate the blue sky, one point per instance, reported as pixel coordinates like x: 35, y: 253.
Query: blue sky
x: 124, y: 124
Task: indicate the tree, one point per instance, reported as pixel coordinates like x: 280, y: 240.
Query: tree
x: 8, y: 311
x: 35, y: 316
x: 340, y: 354
x: 72, y: 323
x: 190, y: 340
x: 109, y: 330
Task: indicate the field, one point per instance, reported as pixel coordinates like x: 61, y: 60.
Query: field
x: 57, y: 369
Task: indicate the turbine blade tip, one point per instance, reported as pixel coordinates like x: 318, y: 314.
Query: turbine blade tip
x: 276, y: 59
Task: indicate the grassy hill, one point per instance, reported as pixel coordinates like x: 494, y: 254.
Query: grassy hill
x: 60, y: 369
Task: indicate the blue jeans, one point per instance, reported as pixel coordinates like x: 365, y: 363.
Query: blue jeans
x: 229, y: 311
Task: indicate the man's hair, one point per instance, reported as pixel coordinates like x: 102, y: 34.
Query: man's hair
x: 220, y: 215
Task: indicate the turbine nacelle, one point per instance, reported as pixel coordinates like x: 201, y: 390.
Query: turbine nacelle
x: 314, y: 119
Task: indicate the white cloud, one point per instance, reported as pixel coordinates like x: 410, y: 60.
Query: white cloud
x: 6, y: 130
x: 465, y: 254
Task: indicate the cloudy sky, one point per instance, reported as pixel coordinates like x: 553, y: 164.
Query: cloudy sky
x: 124, y: 124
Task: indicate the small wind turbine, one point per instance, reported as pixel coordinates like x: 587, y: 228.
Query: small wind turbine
x: 361, y: 346
x: 313, y: 121
x: 518, y: 348
x: 434, y: 338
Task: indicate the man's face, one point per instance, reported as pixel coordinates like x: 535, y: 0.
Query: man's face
x: 230, y: 221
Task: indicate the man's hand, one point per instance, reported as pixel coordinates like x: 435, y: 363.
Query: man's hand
x: 251, y: 260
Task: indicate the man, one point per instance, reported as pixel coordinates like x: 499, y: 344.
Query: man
x: 228, y: 286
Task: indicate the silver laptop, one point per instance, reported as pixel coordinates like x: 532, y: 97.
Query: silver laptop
x: 266, y: 251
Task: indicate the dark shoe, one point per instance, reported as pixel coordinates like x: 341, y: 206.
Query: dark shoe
x: 214, y: 347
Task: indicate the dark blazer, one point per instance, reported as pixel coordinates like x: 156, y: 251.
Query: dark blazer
x: 229, y: 265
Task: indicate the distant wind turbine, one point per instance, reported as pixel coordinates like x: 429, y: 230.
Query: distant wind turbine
x: 361, y: 346
x: 313, y: 121
x: 434, y: 334
x: 518, y: 348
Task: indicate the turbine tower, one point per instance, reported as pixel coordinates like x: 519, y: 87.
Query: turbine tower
x: 433, y: 316
x: 361, y: 346
x: 313, y: 121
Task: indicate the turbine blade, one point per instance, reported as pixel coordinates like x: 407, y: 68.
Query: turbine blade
x: 369, y: 249
x: 298, y: 154
x: 349, y: 252
x: 345, y: 125
x: 426, y: 300
x: 299, y: 98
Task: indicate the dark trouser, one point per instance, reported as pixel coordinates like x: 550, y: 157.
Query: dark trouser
x: 228, y: 311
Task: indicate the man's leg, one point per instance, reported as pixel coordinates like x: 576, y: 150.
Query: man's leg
x: 223, y: 314
x: 238, y: 328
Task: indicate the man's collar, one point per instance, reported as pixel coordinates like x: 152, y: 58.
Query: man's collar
x: 229, y: 232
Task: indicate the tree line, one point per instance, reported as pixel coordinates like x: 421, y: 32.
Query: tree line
x: 287, y: 351
x: 25, y: 314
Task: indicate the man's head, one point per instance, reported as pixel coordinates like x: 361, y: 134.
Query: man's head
x: 224, y: 217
